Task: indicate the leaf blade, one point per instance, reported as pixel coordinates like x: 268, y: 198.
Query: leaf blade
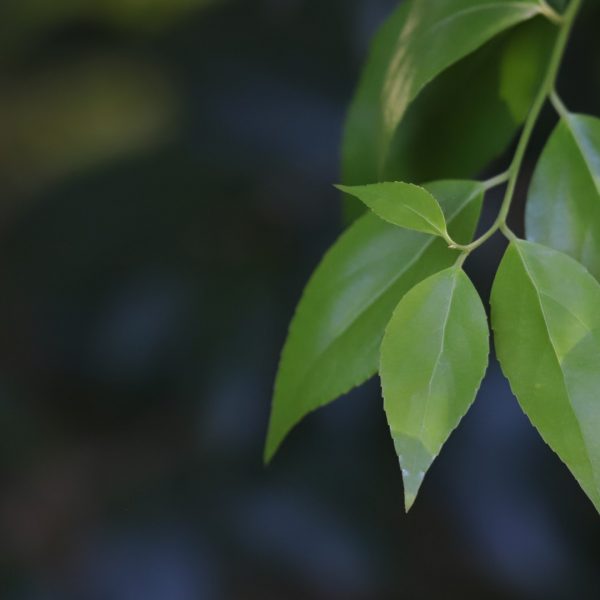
x: 334, y: 338
x: 563, y: 207
x: 437, y: 35
x: 547, y: 332
x: 402, y: 204
x: 433, y: 357
x: 366, y: 137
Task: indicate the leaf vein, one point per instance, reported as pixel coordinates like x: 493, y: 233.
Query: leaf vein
x: 440, y: 353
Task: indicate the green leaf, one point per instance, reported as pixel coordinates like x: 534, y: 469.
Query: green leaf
x: 546, y: 320
x: 433, y: 358
x: 559, y: 5
x: 563, y: 209
x: 334, y: 338
x: 402, y: 204
x: 481, y: 101
x: 437, y: 34
x: 522, y: 63
x: 417, y: 43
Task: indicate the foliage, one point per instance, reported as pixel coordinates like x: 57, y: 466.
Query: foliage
x: 391, y: 295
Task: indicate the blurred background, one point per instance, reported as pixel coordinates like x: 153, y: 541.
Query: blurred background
x: 165, y: 191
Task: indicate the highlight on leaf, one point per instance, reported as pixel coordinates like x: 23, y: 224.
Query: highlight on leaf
x: 419, y: 42
x: 488, y: 93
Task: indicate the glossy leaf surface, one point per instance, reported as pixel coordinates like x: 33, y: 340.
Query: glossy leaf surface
x: 334, y: 339
x: 402, y: 204
x: 563, y: 209
x: 488, y: 94
x: 546, y: 320
x: 433, y: 357
x: 417, y: 43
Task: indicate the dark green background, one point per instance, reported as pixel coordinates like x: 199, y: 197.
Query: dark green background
x: 165, y: 186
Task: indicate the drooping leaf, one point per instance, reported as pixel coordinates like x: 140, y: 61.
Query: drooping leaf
x: 546, y: 321
x: 402, y: 204
x: 417, y: 43
x: 433, y: 357
x: 334, y: 338
x: 563, y: 209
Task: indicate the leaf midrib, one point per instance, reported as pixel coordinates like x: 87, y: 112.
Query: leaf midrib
x: 440, y: 352
x: 477, y: 190
x: 427, y: 244
x: 423, y: 218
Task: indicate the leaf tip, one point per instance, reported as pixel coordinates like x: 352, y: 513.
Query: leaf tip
x: 346, y: 189
x: 271, y: 446
x: 267, y: 457
x: 414, y: 460
x: 412, y: 484
x: 409, y: 500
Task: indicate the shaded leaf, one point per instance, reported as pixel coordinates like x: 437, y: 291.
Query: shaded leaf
x: 440, y: 35
x: 488, y: 95
x: 402, y: 204
x: 335, y: 335
x: 563, y: 209
x: 433, y: 357
x: 547, y: 334
x: 523, y: 61
x: 435, y: 35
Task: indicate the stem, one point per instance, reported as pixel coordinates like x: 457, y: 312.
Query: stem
x: 558, y: 105
x: 496, y: 181
x: 546, y: 91
x: 460, y: 261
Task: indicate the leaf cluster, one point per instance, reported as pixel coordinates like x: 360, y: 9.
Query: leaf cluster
x: 391, y: 296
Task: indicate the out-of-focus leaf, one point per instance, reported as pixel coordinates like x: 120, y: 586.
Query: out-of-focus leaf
x: 22, y: 21
x: 89, y: 112
x: 148, y: 14
x: 433, y: 357
x: 546, y: 320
